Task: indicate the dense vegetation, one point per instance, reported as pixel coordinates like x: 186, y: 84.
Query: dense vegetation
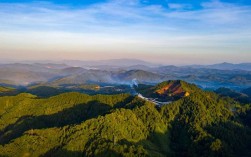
x: 45, y: 91
x: 238, y: 96
x: 6, y: 90
x: 247, y: 91
x: 74, y: 124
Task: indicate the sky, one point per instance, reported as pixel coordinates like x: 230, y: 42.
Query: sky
x: 162, y: 31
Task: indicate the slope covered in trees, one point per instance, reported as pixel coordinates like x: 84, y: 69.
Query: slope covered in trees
x: 238, y: 96
x: 74, y: 124
x: 247, y: 91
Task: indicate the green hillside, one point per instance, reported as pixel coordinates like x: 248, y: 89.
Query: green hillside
x: 247, y: 91
x: 45, y: 91
x: 5, y: 89
x: 74, y: 124
x: 238, y: 96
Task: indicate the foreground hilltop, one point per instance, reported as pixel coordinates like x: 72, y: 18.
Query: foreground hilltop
x: 168, y: 90
x: 72, y: 124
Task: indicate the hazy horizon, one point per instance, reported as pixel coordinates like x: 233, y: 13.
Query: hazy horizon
x: 60, y: 61
x: 165, y: 32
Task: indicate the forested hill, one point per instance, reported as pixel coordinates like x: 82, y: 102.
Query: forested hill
x: 168, y: 90
x: 74, y: 124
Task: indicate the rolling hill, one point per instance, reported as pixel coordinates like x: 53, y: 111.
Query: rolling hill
x: 51, y: 74
x: 73, y: 124
x: 238, y: 96
x: 247, y: 91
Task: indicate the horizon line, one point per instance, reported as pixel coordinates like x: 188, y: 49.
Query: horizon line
x: 54, y: 61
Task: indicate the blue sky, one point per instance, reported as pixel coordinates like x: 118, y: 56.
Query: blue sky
x: 165, y: 31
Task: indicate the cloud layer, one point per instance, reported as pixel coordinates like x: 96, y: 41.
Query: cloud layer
x: 122, y: 27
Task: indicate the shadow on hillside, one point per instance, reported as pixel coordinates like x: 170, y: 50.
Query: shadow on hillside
x: 69, y: 116
x: 59, y: 152
x: 180, y: 139
x: 236, y: 138
x: 156, y: 143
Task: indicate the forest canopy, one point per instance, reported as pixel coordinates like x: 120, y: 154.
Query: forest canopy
x: 74, y: 124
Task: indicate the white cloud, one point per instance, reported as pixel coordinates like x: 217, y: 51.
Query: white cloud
x: 179, y: 6
x: 128, y: 25
x: 118, y: 13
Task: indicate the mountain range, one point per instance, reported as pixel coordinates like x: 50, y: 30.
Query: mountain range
x: 234, y: 76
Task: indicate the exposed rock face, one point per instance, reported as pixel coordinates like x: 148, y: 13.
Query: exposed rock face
x: 173, y: 89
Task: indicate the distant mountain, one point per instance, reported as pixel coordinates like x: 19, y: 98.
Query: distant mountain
x: 225, y: 66
x: 208, y: 77
x: 102, y: 76
x: 83, y: 77
x: 139, y: 67
x: 51, y: 65
x: 72, y: 70
x: 25, y: 74
x: 120, y: 72
x: 229, y: 66
x: 111, y: 62
x: 141, y: 75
